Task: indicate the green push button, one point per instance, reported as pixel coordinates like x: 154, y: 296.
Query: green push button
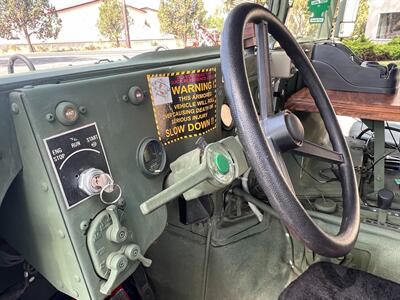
x: 222, y: 163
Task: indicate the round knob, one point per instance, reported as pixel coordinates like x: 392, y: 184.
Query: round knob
x: 385, y: 198
x: 136, y: 95
x: 222, y: 163
x: 67, y: 113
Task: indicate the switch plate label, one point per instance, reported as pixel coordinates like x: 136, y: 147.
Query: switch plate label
x: 71, y: 153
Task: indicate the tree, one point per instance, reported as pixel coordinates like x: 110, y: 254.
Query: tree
x: 362, y: 18
x: 298, y: 19
x: 110, y: 22
x: 177, y: 17
x: 216, y: 19
x: 28, y: 18
x: 228, y: 5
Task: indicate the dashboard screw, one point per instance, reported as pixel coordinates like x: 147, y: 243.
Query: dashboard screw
x: 50, y: 118
x: 82, y: 109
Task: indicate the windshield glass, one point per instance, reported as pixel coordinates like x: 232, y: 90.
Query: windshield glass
x: 298, y: 22
x: 60, y: 33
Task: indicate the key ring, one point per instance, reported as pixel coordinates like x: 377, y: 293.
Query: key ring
x: 111, y: 185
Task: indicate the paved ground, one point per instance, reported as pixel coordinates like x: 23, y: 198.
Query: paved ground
x: 60, y: 59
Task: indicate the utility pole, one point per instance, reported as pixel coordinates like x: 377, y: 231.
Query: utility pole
x: 126, y: 25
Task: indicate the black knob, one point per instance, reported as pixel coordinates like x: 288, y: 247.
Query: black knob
x: 385, y: 198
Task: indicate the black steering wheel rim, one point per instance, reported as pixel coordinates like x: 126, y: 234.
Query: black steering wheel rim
x: 260, y: 150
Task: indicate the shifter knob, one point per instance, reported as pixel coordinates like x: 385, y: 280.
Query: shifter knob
x: 385, y: 198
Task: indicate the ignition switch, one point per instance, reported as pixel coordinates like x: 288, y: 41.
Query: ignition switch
x: 92, y: 180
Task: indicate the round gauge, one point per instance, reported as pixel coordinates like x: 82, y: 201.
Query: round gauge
x: 151, y: 156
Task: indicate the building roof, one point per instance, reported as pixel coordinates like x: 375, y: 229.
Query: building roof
x: 74, y: 4
x: 149, y: 8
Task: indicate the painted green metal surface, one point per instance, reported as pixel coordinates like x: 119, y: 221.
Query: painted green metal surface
x: 35, y: 220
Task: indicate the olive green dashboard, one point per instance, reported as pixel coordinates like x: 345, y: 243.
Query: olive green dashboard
x: 108, y: 119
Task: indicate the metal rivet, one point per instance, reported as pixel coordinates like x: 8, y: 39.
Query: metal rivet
x: 82, y: 109
x: 125, y: 98
x: 61, y: 234
x: 44, y: 187
x: 50, y: 117
x: 84, y: 225
x: 77, y: 278
x: 15, y: 108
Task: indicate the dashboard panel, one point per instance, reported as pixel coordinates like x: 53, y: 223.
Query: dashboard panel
x: 110, y: 129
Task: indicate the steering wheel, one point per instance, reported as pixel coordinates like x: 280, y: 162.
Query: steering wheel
x: 265, y: 138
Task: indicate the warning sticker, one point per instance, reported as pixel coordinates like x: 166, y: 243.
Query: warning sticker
x: 184, y: 103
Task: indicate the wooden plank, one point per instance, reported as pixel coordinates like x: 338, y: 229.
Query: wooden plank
x: 249, y: 36
x: 382, y: 107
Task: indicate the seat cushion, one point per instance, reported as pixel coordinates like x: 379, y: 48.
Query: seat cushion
x: 329, y: 281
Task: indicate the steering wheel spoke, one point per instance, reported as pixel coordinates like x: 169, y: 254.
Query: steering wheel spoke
x: 309, y: 149
x: 278, y: 156
x: 264, y: 70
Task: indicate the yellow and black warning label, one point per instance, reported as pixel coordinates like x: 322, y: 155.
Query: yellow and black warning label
x: 184, y: 103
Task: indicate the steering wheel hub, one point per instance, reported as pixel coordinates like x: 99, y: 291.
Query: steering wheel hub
x: 285, y: 129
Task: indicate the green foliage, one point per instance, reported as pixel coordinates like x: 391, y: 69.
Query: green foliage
x: 298, y: 20
x: 28, y: 18
x: 368, y: 50
x: 177, y: 17
x: 362, y: 18
x: 92, y: 47
x: 229, y: 4
x: 215, y: 21
x: 110, y: 22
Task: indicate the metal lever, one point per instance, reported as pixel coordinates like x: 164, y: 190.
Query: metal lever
x: 117, y: 263
x: 174, y: 190
x: 116, y: 232
x: 133, y: 253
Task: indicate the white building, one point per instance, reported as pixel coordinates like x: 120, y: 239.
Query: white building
x: 383, y: 20
x: 79, y: 24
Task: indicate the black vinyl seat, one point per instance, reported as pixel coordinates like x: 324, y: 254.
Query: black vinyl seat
x: 329, y: 281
